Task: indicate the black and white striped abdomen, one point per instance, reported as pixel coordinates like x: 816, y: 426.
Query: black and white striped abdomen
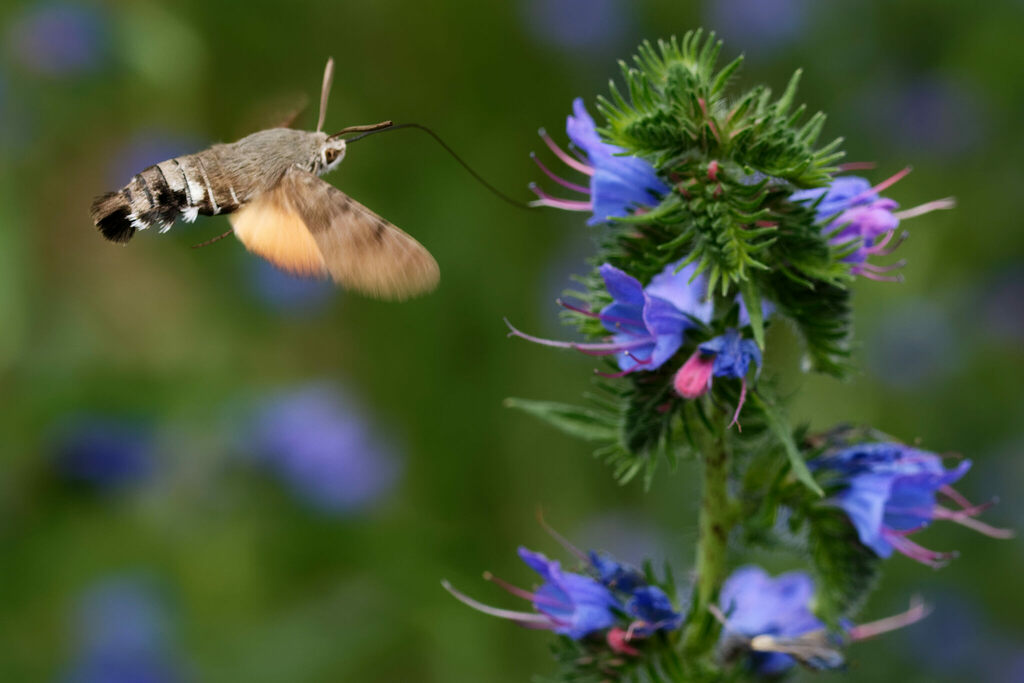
x: 183, y: 187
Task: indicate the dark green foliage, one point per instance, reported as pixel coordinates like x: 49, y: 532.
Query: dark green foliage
x: 845, y: 570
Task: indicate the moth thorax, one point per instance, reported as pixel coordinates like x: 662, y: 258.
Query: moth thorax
x: 331, y: 154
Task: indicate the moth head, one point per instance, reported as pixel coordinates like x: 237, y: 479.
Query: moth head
x: 332, y: 151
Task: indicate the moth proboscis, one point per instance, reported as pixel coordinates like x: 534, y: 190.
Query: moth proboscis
x: 268, y: 183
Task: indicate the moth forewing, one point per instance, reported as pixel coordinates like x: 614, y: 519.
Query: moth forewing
x: 815, y: 650
x: 362, y: 251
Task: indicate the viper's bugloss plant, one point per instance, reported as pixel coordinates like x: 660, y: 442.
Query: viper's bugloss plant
x: 719, y: 214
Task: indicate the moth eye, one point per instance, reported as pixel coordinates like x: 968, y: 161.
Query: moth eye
x: 331, y: 154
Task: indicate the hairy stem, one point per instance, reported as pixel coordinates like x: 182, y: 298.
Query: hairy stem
x: 717, y: 517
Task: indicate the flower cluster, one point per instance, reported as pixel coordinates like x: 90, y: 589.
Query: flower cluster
x: 609, y: 598
x: 889, y: 491
x: 718, y: 216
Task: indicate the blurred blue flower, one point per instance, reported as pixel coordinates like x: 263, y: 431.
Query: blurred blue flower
x: 925, y: 115
x: 757, y: 25
x: 913, y: 345
x: 102, y: 451
x: 1002, y: 304
x: 728, y: 355
x: 647, y: 323
x: 144, y: 149
x: 287, y: 293
x: 323, y: 446
x: 122, y: 635
x: 652, y: 611
x: 577, y: 25
x: 619, y: 183
x: 755, y: 604
x: 57, y: 38
x: 889, y: 492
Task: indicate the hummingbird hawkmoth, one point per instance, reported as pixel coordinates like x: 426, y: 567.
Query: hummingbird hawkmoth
x: 268, y: 183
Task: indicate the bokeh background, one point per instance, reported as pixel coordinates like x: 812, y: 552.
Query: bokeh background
x: 212, y: 472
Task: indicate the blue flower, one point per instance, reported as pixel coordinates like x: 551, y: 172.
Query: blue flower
x: 652, y: 611
x: 619, y: 183
x: 122, y: 635
x: 768, y: 612
x: 647, y: 323
x: 577, y: 604
x: 755, y: 604
x: 861, y: 223
x: 889, y: 492
x: 321, y: 444
x: 728, y: 355
x: 105, y: 452
x: 569, y: 604
x: 287, y: 293
x: 59, y: 38
x: 616, y: 575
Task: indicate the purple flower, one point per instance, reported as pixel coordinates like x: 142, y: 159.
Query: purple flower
x: 569, y: 604
x: 121, y: 635
x: 287, y: 293
x: 889, y: 492
x: 58, y: 38
x: 764, y: 611
x: 577, y: 24
x: 647, y: 324
x: 728, y: 355
x: 861, y: 223
x: 319, y: 442
x: 105, y: 452
x: 652, y: 611
x: 767, y: 24
x: 619, y: 184
x: 755, y: 604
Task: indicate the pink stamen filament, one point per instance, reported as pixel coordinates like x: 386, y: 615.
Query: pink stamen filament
x: 561, y: 181
x: 937, y: 205
x: 556, y: 203
x: 965, y: 518
x: 524, y: 594
x: 857, y: 166
x: 564, y: 542
x: 874, y: 268
x: 566, y: 159
x: 589, y: 349
x: 890, y: 181
x: 917, y: 611
x: 857, y: 270
x: 905, y: 546
x: 955, y: 496
x: 880, y: 250
x: 525, y: 618
x: 739, y: 405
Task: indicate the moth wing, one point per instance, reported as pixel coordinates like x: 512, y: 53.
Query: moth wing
x: 814, y: 650
x: 270, y: 227
x: 361, y: 250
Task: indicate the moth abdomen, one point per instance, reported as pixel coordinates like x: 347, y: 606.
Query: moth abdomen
x: 111, y: 213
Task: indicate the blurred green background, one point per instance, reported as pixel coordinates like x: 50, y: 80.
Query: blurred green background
x: 150, y: 530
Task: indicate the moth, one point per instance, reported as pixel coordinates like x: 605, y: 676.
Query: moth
x: 269, y: 186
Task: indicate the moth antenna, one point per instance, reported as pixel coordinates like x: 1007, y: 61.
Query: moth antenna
x: 325, y: 92
x: 501, y: 195
x: 210, y: 241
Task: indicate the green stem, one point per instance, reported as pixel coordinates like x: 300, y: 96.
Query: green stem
x: 717, y: 517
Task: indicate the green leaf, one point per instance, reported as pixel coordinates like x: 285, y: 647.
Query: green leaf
x: 752, y: 300
x: 846, y: 570
x: 777, y: 424
x: 583, y: 423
